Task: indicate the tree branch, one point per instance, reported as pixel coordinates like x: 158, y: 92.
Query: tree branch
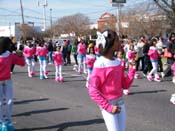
x: 162, y: 7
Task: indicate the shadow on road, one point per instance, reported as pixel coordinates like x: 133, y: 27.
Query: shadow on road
x: 39, y: 111
x: 63, y: 126
x: 145, y: 92
x: 29, y: 101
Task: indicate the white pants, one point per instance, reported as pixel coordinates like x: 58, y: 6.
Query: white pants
x: 58, y: 71
x: 43, y: 65
x: 154, y: 69
x: 6, y: 96
x: 81, y: 64
x: 88, y: 74
x: 30, y: 65
x: 115, y: 122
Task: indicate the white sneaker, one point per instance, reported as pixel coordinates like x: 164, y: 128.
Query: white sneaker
x: 87, y: 84
x: 162, y: 74
x: 137, y: 76
x: 144, y: 75
x: 75, y: 65
x: 172, y: 100
x: 157, y: 79
x: 45, y: 76
x: 29, y: 75
x: 173, y: 80
x: 126, y: 92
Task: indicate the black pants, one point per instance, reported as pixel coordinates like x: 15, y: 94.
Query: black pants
x: 168, y: 71
x: 148, y: 65
x: 65, y: 59
x: 68, y: 58
x: 75, y: 58
x: 138, y: 63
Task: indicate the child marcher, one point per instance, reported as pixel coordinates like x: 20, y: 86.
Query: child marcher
x: 90, y: 59
x: 42, y: 52
x: 172, y: 100
x: 58, y: 62
x: 153, y: 54
x: 132, y: 55
x: 81, y: 57
x: 108, y: 80
x: 6, y: 86
x: 29, y: 52
x: 120, y: 57
x: 123, y: 62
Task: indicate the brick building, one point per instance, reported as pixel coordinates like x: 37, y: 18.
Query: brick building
x: 107, y: 21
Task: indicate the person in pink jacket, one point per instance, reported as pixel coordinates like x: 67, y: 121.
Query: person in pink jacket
x: 42, y: 53
x: 58, y: 62
x: 81, y: 50
x: 172, y: 99
x: 90, y: 59
x: 6, y: 86
x: 29, y: 52
x: 153, y: 55
x: 108, y: 80
x: 120, y: 58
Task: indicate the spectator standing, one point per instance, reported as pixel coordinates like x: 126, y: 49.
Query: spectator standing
x: 50, y: 49
x: 74, y: 53
x: 171, y: 49
x: 65, y: 52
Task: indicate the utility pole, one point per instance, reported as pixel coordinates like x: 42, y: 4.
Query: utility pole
x: 118, y: 19
x: 45, y: 4
x: 118, y: 4
x: 51, y: 18
x: 10, y: 29
x: 22, y: 14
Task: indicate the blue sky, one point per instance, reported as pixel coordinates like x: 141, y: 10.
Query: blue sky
x: 10, y: 9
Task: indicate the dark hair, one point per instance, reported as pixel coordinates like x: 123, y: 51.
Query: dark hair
x: 172, y: 34
x: 5, y: 44
x: 110, y: 39
x: 131, y: 45
x: 89, y: 50
x: 154, y: 39
x: 41, y: 43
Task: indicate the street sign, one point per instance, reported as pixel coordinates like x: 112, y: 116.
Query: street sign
x: 118, y: 1
x: 117, y: 5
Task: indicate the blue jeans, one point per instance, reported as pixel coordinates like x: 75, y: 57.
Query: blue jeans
x: 6, y: 91
x: 50, y: 56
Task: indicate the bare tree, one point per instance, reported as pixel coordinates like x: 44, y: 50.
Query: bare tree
x: 148, y: 20
x: 168, y: 6
x: 78, y: 23
x: 27, y: 31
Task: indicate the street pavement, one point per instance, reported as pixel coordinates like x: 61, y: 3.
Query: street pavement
x: 46, y: 105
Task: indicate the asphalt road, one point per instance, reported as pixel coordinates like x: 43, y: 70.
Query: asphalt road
x: 46, y: 105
